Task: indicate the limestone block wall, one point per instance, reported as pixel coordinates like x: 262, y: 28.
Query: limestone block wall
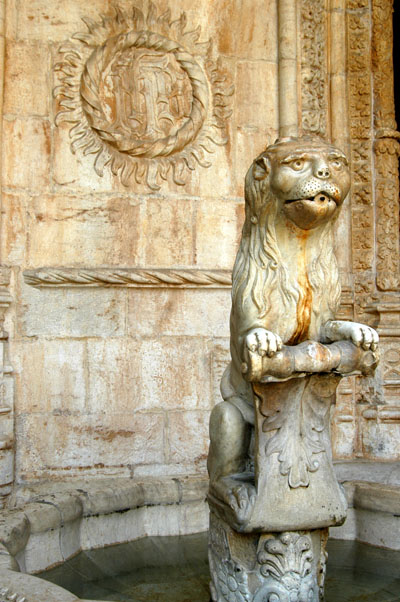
x: 119, y: 379
x: 118, y: 329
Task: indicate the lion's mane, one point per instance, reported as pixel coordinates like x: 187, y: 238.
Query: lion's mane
x: 260, y: 266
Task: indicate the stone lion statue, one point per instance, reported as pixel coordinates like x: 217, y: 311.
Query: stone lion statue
x: 286, y: 287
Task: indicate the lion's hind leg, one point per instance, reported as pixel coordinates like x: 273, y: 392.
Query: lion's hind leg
x: 230, y: 436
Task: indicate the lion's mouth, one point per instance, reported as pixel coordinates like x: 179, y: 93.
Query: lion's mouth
x: 321, y: 198
x: 307, y: 213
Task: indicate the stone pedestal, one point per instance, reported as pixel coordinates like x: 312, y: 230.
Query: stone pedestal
x: 266, y: 567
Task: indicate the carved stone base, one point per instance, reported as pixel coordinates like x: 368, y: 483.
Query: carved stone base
x: 266, y: 567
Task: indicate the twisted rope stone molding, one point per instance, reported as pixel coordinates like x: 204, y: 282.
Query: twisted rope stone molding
x: 128, y: 277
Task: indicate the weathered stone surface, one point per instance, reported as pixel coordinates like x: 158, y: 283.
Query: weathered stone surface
x: 115, y: 377
x: 170, y: 224
x: 26, y: 153
x: 257, y: 80
x: 363, y: 470
x: 377, y: 498
x: 14, y: 530
x: 41, y: 21
x: 156, y: 313
x: 42, y: 516
x: 187, y: 432
x: 116, y: 441
x: 250, y: 143
x: 175, y: 373
x: 107, y: 497
x: 6, y: 464
x: 26, y: 70
x: 218, y: 227
x: 33, y: 589
x: 14, y: 228
x: 67, y: 313
x: 68, y: 505
x: 7, y: 561
x: 219, y: 362
x: 81, y: 229
x: 244, y: 34
x: 380, y: 440
x: 38, y: 392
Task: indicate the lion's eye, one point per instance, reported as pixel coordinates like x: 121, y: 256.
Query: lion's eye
x: 337, y: 163
x: 297, y: 164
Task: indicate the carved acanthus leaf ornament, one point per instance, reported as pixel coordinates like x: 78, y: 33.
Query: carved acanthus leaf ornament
x: 286, y: 562
x: 301, y: 430
x: 143, y: 95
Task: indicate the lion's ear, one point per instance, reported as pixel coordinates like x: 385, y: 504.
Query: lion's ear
x: 261, y: 168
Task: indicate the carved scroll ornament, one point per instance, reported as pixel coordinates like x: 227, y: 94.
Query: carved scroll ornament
x: 143, y: 95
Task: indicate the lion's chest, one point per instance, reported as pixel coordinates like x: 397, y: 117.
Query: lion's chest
x: 294, y: 319
x: 303, y: 312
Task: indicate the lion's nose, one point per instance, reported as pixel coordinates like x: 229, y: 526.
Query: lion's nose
x: 322, y: 171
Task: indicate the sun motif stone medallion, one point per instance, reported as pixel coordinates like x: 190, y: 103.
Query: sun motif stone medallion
x: 143, y: 95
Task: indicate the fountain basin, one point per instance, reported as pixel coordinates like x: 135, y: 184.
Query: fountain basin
x: 49, y: 523
x: 175, y: 569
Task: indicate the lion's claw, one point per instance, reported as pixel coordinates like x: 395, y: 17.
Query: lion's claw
x: 360, y: 334
x: 264, y: 342
x: 241, y: 500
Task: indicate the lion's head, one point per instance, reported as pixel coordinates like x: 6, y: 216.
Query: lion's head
x: 308, y: 177
x: 293, y: 191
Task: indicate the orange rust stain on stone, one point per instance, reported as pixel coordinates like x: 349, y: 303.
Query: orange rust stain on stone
x: 47, y: 139
x: 304, y: 304
x: 303, y: 313
x: 107, y: 434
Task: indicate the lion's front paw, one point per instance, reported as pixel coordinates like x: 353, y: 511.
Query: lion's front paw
x: 360, y: 334
x: 264, y: 342
x: 364, y: 336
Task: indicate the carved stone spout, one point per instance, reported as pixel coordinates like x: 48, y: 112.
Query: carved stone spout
x: 273, y: 492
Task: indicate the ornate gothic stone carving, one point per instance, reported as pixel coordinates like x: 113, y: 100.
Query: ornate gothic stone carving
x: 387, y: 149
x: 314, y: 67
x: 144, y: 95
x: 375, y: 196
x: 286, y: 562
x: 358, y: 21
x: 270, y: 460
x: 360, y: 127
x: 132, y: 277
x: 284, y: 567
